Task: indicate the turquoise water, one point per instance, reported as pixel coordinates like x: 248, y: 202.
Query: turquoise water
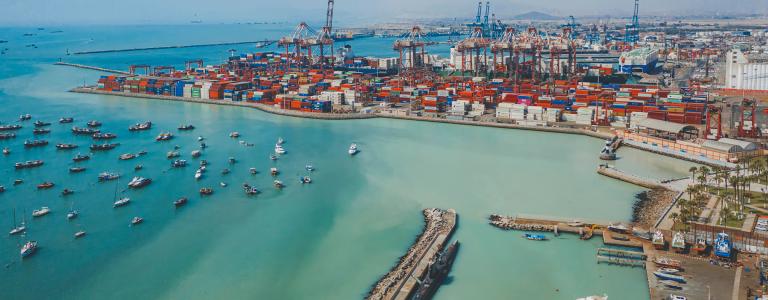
x: 328, y: 240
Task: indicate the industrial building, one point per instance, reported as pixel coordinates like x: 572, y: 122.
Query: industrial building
x: 746, y: 71
x: 640, y: 60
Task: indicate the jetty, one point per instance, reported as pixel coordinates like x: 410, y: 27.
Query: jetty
x: 610, y: 171
x: 259, y: 44
x: 402, y: 281
x: 585, y: 229
x: 61, y: 63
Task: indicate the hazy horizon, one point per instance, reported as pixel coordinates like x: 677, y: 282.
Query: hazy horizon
x: 74, y: 12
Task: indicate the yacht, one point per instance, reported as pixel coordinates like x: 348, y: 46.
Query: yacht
x: 80, y: 157
x: 353, y: 149
x: 279, y: 149
x: 139, y: 182
x: 198, y: 174
x: 196, y: 153
x: 234, y: 134
x: 25, y: 117
x: 28, y: 249
x: 179, y: 163
x: 122, y: 202
x: 309, y: 168
x: 141, y: 126
x: 66, y: 146
x: 45, y: 185
x: 72, y: 214
x: 7, y: 136
x: 166, y: 136
x: 41, y: 124
x: 17, y: 229
x: 274, y: 171
x: 186, y: 127
x: 108, y: 176
x: 172, y: 154
x: 93, y: 123
x: 305, y: 179
x: 41, y: 212
x: 127, y: 156
x: 103, y: 136
x: 137, y: 220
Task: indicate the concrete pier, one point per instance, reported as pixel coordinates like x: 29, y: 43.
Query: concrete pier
x: 92, y: 68
x: 402, y: 280
x: 633, y: 179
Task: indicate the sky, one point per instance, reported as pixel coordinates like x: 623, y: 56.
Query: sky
x: 349, y: 12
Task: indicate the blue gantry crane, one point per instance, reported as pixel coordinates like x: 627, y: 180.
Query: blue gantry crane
x: 632, y: 30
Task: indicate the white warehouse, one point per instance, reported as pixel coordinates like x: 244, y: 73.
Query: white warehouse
x: 746, y: 71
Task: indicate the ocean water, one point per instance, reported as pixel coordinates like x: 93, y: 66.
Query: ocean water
x: 329, y: 240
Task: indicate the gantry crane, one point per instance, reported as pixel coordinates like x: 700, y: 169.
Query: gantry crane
x: 747, y: 113
x: 412, y: 65
x: 188, y: 64
x: 473, y: 45
x: 302, y: 39
x: 132, y: 69
x: 157, y: 71
x: 502, y: 46
x: 714, y: 129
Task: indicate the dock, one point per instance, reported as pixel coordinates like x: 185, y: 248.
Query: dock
x: 92, y: 68
x: 585, y: 229
x: 402, y: 281
x: 621, y: 257
x: 259, y: 44
x: 612, y: 172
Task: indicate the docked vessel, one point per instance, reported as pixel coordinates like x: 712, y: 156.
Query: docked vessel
x: 28, y: 249
x: 180, y: 202
x: 186, y: 127
x: 140, y: 126
x: 41, y: 212
x: 121, y: 202
x: 66, y: 146
x: 10, y: 127
x: 104, y: 136
x: 700, y: 247
x: 127, y: 156
x: 93, y: 123
x: 45, y: 185
x: 84, y: 131
x: 28, y: 164
x: 139, y: 182
x: 76, y: 169
x: 672, y: 277
x: 103, y: 147
x: 166, y: 136
x: 179, y: 163
x: 437, y: 272
x: 678, y: 242
x: 35, y: 143
x: 7, y: 136
x: 66, y: 120
x: 535, y: 237
x: 666, y: 262
x: 658, y: 240
x: 80, y: 157
x: 353, y: 149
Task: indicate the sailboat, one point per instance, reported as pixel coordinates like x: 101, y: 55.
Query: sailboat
x: 72, y: 212
x: 17, y: 229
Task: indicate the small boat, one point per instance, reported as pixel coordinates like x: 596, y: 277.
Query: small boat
x: 666, y: 262
x: 66, y: 146
x: 35, y: 143
x: 172, y: 154
x: 76, y: 169
x: 234, y: 134
x: 104, y: 147
x: 2, y: 189
x: 723, y: 246
x: 140, y: 126
x: 353, y: 149
x: 206, y: 191
x: 658, y: 240
x: 672, y: 277
x: 93, y: 123
x: 309, y: 168
x: 72, y: 214
x: 186, y: 127
x: 28, y: 249
x: 203, y: 163
x: 535, y: 237
x: 66, y: 120
x: 279, y: 149
x: 79, y: 234
x: 28, y: 164
x: 200, y: 138
x: 196, y: 153
x: 198, y: 174
x: 138, y: 167
x: 700, y: 247
x: 280, y: 141
x: 25, y: 117
x: 279, y: 184
x: 225, y: 172
x: 80, y: 157
x: 142, y: 152
x: 67, y: 192
x: 136, y: 221
x: 253, y: 171
x: 274, y: 171
x: 166, y: 136
x: 103, y: 136
x: 223, y: 184
x: 45, y: 185
x: 6, y: 151
x: 18, y: 181
x: 273, y: 157
x: 17, y: 229
x: 203, y: 146
x: 7, y: 136
x: 39, y: 123
x: 84, y: 131
x: 105, y: 176
x: 179, y: 163
x: 180, y: 202
x: 38, y: 131
x: 139, y: 182
x: 673, y: 286
x: 595, y: 297
x: 669, y: 270
x: 305, y: 179
x: 41, y: 212
x: 10, y: 127
x: 232, y: 160
x: 121, y: 202
x: 250, y: 190
x: 127, y: 156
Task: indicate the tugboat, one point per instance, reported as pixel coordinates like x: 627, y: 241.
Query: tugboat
x: 305, y: 179
x: 28, y: 249
x: 180, y: 202
x: 535, y: 237
x: 7, y: 136
x: 437, y: 272
x: 80, y: 157
x: 45, y: 185
x: 279, y: 184
x: 93, y: 123
x: 10, y: 127
x: 353, y: 149
x: 121, y: 202
x: 136, y: 221
x: 84, y: 131
x: 139, y: 182
x: 35, y: 143
x: 179, y: 163
x: 234, y: 134
x: 28, y: 164
x: 66, y: 146
x: 66, y: 120
x: 67, y: 192
x: 206, y: 191
x: 79, y: 234
x: 104, y: 136
x: 274, y: 171
x: 172, y: 154
x: 678, y: 242
x: 108, y: 176
x: 103, y: 147
x: 141, y: 126
x: 127, y: 156
x: 41, y: 212
x: 76, y: 170
x: 723, y: 246
x: 25, y: 117
x: 166, y: 136
x: 186, y: 127
x: 39, y: 131
x: 41, y: 124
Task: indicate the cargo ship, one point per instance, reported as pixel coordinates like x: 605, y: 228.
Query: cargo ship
x: 436, y: 273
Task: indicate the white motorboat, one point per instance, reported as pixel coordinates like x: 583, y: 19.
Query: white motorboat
x: 122, y: 202
x: 41, y: 212
x: 353, y: 149
x: 198, y: 175
x: 279, y: 149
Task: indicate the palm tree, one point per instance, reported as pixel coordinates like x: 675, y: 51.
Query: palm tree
x: 675, y: 217
x: 693, y: 173
x: 724, y: 212
x: 704, y: 173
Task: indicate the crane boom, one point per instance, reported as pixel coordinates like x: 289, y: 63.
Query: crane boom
x: 329, y: 16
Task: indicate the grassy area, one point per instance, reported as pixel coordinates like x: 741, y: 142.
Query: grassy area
x: 756, y: 197
x: 733, y: 222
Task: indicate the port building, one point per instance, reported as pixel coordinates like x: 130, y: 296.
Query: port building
x: 745, y: 71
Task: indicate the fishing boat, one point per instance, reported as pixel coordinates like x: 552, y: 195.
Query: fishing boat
x: 250, y: 190
x: 274, y: 171
x: 279, y: 149
x: 80, y: 157
x: 195, y: 153
x: 104, y: 147
x: 186, y: 127
x: 66, y: 120
x: 139, y: 182
x: 225, y: 172
x: 723, y: 246
x: 353, y: 149
x: 305, y: 179
x: 67, y: 192
x: 104, y: 136
x: 198, y: 174
x: 18, y: 181
x: 28, y: 249
x: 203, y: 163
x: 39, y: 123
x: 666, y: 262
x: 17, y: 229
x: 278, y: 184
x: 35, y: 143
x: 700, y: 247
x: 179, y: 163
x: 253, y: 171
x: 234, y: 134
x: 7, y: 136
x: 138, y: 167
x: 206, y: 191
x: 93, y: 123
x: 41, y: 212
x: 66, y: 146
x: 121, y: 202
x: 25, y: 117
x: 166, y: 136
x: 127, y: 156
x: 535, y: 237
x: 84, y: 131
x: 223, y: 184
x: 309, y: 168
x: 38, y: 131
x: 658, y: 240
x: 10, y: 127
x: 6, y: 151
x: 28, y: 164
x: 678, y: 242
x: 672, y: 277
x: 140, y: 126
x: 45, y: 185
x: 172, y: 154
x: 79, y: 234
x: 180, y: 202
x: 137, y: 220
x: 72, y: 214
x: 669, y: 270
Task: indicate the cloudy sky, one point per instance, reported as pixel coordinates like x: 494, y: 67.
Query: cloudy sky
x: 32, y: 12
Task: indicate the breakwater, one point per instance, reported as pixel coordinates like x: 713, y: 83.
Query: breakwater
x: 259, y: 45
x: 402, y: 280
x: 92, y: 68
x: 633, y: 179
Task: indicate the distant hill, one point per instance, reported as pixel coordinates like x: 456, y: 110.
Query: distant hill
x: 536, y: 16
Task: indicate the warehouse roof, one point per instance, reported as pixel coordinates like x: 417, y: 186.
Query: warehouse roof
x: 665, y: 126
x: 744, y: 145
x: 720, y: 146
